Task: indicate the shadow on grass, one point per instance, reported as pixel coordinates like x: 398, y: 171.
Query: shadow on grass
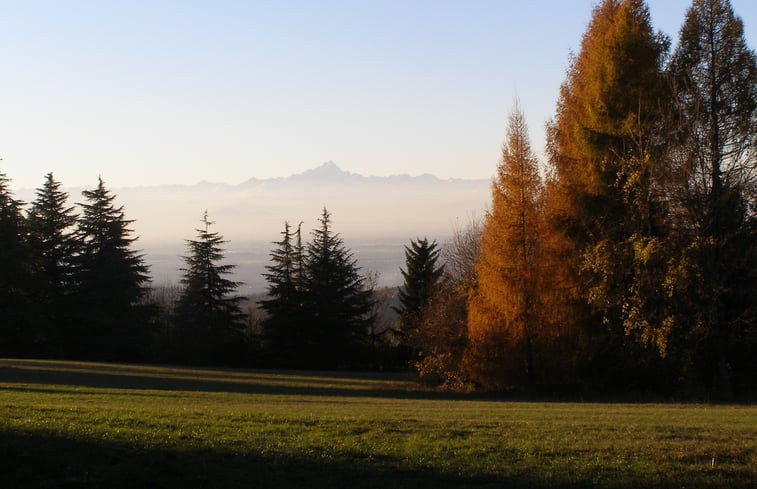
x: 32, y: 460
x: 101, y: 375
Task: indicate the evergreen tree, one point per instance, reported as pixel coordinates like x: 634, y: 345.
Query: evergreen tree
x: 602, y: 199
x: 504, y: 323
x: 336, y: 301
x: 209, y: 318
x: 712, y: 278
x: 420, y: 279
x: 16, y: 294
x: 284, y: 326
x: 111, y: 281
x: 54, y: 248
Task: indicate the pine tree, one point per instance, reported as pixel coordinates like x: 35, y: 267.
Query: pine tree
x: 54, y: 249
x: 16, y: 292
x: 602, y: 200
x: 336, y: 301
x: 111, y: 280
x: 420, y: 279
x: 284, y: 326
x: 712, y: 279
x: 504, y: 323
x: 209, y: 318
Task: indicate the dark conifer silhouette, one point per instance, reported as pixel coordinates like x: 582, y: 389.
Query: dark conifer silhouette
x: 209, y: 319
x: 336, y: 301
x: 284, y: 325
x: 111, y: 280
x: 420, y: 278
x: 16, y: 294
x: 54, y: 249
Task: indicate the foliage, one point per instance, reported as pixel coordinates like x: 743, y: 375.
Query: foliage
x: 54, y: 248
x: 111, y: 280
x: 335, y: 300
x: 504, y: 325
x: 285, y: 326
x: 209, y: 319
x: 420, y: 280
x: 442, y: 336
x: 602, y: 200
x: 715, y: 158
x: 16, y: 295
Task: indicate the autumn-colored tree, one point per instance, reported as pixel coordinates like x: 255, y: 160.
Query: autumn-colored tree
x: 602, y: 202
x: 441, y: 337
x: 503, y: 316
x: 712, y: 279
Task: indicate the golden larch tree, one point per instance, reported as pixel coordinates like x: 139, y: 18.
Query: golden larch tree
x: 503, y: 316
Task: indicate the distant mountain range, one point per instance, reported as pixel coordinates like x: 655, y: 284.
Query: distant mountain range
x: 375, y: 216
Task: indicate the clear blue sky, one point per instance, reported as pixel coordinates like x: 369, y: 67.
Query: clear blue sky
x: 147, y: 92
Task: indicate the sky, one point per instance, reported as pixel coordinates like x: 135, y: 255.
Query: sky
x: 151, y: 92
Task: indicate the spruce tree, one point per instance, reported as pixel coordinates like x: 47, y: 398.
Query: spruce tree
x: 420, y: 279
x: 284, y: 326
x: 336, y: 302
x: 111, y: 280
x: 16, y: 288
x: 712, y: 279
x: 209, y: 319
x: 54, y: 248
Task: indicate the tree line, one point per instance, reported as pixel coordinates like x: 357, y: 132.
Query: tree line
x: 631, y: 265
x: 72, y: 286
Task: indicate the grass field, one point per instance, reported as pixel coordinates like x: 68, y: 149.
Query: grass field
x: 71, y: 424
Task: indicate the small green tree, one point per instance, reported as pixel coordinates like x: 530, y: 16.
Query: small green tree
x: 209, y: 318
x: 111, y: 280
x: 54, y: 248
x: 336, y: 301
x: 420, y: 279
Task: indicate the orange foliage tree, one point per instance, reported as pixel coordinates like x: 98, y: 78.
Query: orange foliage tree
x: 504, y: 324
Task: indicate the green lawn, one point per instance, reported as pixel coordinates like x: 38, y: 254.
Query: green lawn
x: 72, y: 424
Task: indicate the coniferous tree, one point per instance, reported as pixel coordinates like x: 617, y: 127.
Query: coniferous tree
x: 335, y: 301
x: 712, y: 278
x: 54, y: 248
x: 284, y: 325
x: 209, y: 318
x: 16, y: 294
x: 602, y: 201
x: 505, y: 327
x: 111, y: 280
x: 420, y: 279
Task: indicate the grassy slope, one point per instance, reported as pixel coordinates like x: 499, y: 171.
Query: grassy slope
x: 65, y: 424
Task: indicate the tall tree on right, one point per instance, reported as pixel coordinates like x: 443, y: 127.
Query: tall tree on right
x: 714, y: 280
x: 601, y: 197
